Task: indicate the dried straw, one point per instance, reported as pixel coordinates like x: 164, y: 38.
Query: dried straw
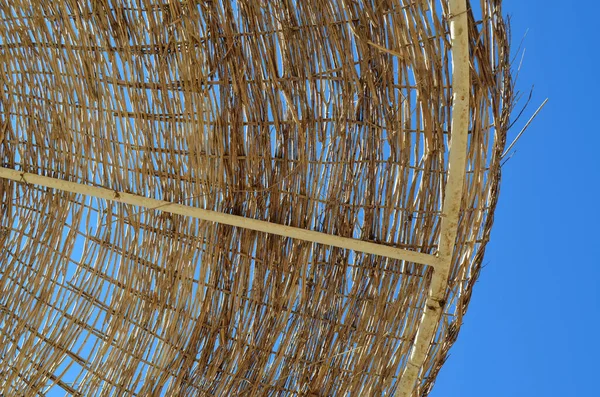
x: 326, y: 115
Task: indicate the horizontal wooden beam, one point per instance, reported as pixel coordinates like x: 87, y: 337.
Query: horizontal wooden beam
x: 218, y: 217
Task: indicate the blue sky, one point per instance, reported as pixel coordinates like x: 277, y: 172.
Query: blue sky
x: 532, y: 326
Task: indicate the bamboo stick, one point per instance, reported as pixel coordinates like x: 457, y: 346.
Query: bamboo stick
x: 453, y: 196
x: 227, y: 219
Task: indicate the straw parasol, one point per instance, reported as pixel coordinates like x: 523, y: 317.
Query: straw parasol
x: 244, y: 197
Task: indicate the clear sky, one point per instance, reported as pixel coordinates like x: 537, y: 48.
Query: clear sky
x: 533, y: 324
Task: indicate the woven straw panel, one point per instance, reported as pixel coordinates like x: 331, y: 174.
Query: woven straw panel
x: 329, y: 115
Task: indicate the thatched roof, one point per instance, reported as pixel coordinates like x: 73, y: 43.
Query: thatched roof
x: 243, y: 197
